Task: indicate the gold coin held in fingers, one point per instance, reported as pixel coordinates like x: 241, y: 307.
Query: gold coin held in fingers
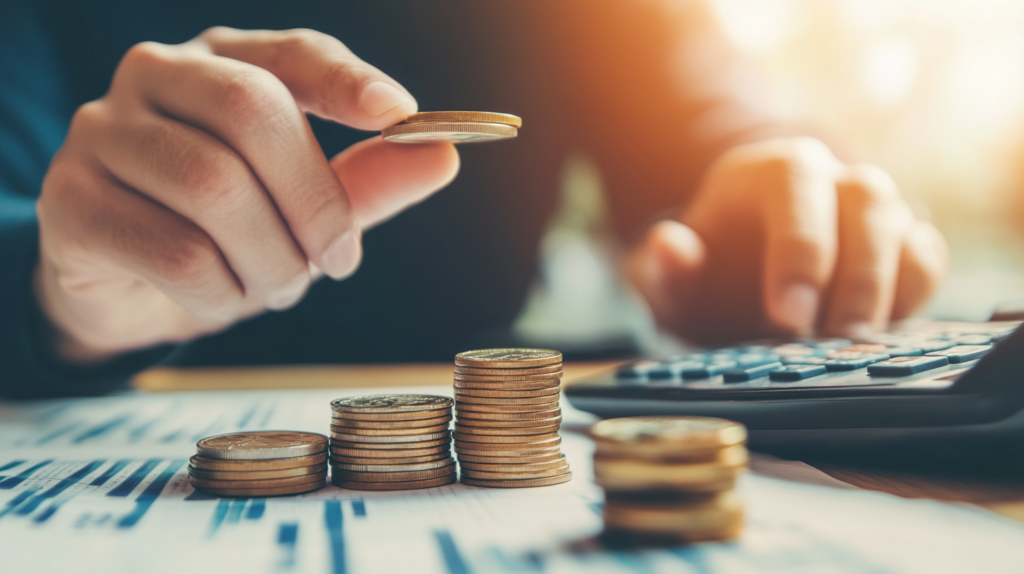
x: 459, y: 116
x: 454, y: 132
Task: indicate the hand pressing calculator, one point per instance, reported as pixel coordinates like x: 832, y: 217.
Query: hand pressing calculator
x: 929, y: 389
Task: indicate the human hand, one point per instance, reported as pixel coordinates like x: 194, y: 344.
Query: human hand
x: 784, y: 239
x: 194, y: 194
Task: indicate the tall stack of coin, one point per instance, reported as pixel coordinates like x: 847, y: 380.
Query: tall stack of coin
x: 259, y: 463
x: 391, y: 442
x: 670, y: 479
x: 506, y: 404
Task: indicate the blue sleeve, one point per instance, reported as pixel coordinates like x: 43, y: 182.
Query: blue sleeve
x: 36, y: 105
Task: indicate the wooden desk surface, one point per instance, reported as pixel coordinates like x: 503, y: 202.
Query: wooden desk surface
x: 996, y: 485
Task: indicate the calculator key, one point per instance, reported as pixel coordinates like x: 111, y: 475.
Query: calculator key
x: 933, y: 345
x: 865, y: 348
x: 796, y: 372
x: 636, y: 369
x: 827, y: 343
x: 904, y: 351
x: 858, y: 361
x: 804, y: 360
x: 756, y: 360
x: 963, y: 353
x: 672, y: 370
x: 973, y: 340
x: 790, y: 349
x: 843, y: 355
x: 708, y: 371
x: 904, y: 366
x: 749, y: 374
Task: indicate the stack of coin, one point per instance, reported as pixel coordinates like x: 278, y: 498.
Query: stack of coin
x: 259, y: 463
x: 506, y: 404
x: 454, y: 127
x: 391, y: 442
x: 670, y: 480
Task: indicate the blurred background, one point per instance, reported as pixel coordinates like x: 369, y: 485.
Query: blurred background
x: 930, y: 90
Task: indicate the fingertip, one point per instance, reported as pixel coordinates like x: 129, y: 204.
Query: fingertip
x: 663, y: 267
x: 924, y: 261
x: 386, y: 104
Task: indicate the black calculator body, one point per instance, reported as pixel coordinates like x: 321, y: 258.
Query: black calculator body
x: 926, y: 390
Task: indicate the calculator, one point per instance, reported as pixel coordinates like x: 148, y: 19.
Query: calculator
x: 924, y: 389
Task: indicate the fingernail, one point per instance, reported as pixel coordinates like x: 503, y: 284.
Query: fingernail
x: 798, y: 307
x: 342, y: 258
x: 287, y: 297
x: 379, y: 98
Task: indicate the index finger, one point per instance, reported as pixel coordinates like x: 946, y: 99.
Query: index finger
x: 324, y: 76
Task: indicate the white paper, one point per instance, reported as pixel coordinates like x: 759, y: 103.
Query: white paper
x: 99, y: 485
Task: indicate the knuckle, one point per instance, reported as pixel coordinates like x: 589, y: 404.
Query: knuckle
x: 89, y: 117
x: 253, y: 96
x: 189, y: 263
x: 866, y: 185
x: 214, y: 181
x: 145, y: 55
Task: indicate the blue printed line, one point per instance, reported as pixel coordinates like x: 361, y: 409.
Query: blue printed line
x: 266, y: 417
x: 287, y: 536
x: 200, y: 495
x: 333, y: 520
x: 359, y: 508
x: 256, y: 509
x: 101, y: 429
x: 173, y: 436
x: 58, y: 433
x: 14, y: 502
x: 150, y: 494
x: 247, y: 417
x: 9, y: 483
x: 136, y: 434
x: 110, y: 472
x: 452, y: 557
x: 235, y: 513
x: 128, y: 485
x: 11, y: 465
x: 33, y: 503
x: 219, y: 513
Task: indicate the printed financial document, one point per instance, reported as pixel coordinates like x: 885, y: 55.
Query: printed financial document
x: 100, y: 485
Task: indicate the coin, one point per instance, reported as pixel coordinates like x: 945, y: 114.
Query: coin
x: 389, y: 467
x: 526, y: 483
x: 273, y: 491
x: 549, y: 401
x: 680, y: 501
x: 261, y: 445
x: 516, y: 475
x: 507, y: 385
x: 418, y: 423
x: 719, y: 455
x: 253, y: 474
x: 269, y: 483
x: 485, y: 117
x: 496, y: 378
x: 506, y: 432
x: 511, y: 417
x: 454, y: 132
x: 503, y: 439
x: 536, y: 445
x: 649, y: 436
x: 505, y: 394
x: 396, y: 460
x: 464, y: 408
x: 389, y: 432
x: 512, y: 467
x: 391, y: 403
x: 658, y: 519
x: 390, y: 453
x: 344, y: 444
x: 527, y: 371
x: 509, y: 452
x: 405, y: 485
x: 483, y: 423
x: 246, y: 465
x: 554, y: 456
x: 355, y: 438
x: 623, y: 474
x: 383, y: 417
x: 508, y: 358
x: 402, y: 476
x: 616, y: 538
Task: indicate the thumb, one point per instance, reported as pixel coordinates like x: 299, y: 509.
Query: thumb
x: 665, y: 268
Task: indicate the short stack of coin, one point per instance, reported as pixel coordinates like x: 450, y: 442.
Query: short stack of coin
x: 454, y: 127
x: 506, y: 404
x: 260, y: 463
x: 670, y: 480
x: 391, y: 442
